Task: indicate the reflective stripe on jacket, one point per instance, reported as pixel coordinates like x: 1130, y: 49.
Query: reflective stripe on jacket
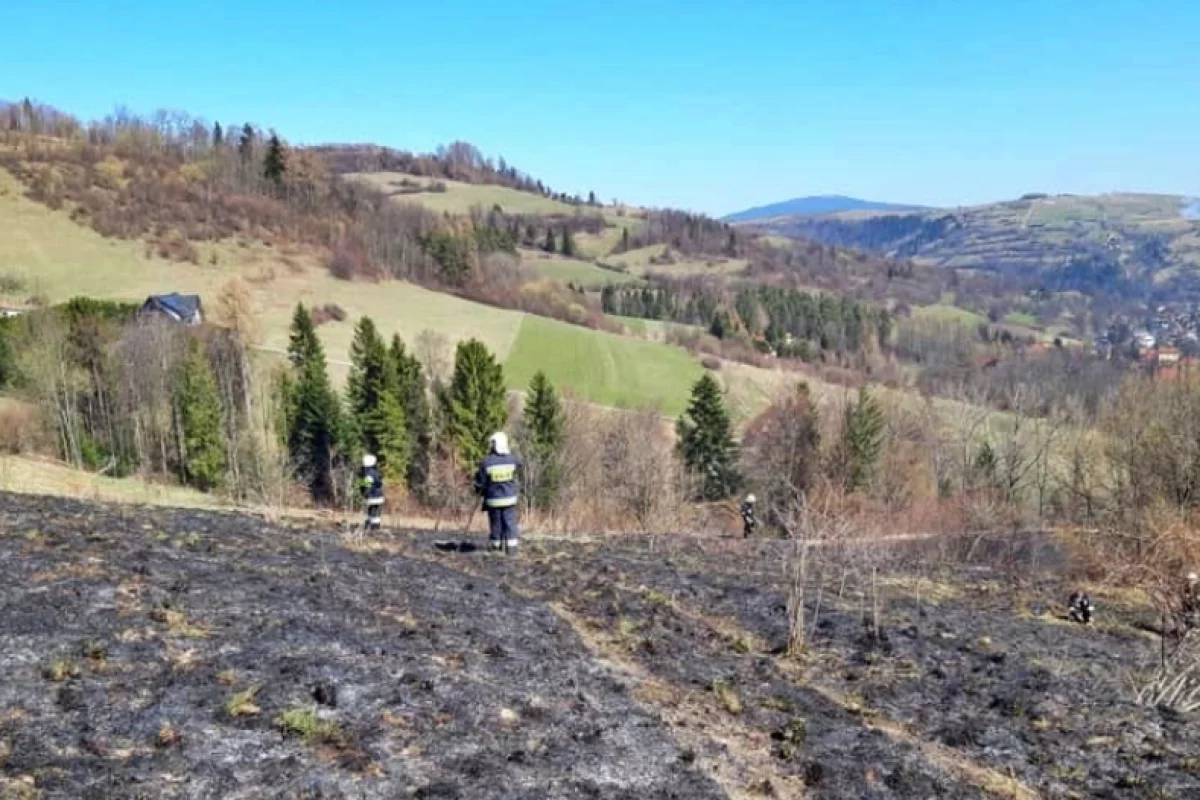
x: 371, y: 484
x: 496, y: 481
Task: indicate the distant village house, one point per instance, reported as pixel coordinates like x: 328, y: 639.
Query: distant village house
x: 183, y: 308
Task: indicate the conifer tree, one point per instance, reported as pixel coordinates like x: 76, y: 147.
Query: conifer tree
x: 706, y: 442
x: 862, y: 440
x: 474, y: 402
x: 568, y: 243
x: 315, y: 427
x: 411, y: 390
x: 218, y: 136
x: 624, y: 239
x: 198, y: 411
x: 246, y: 142
x: 549, y: 245
x: 542, y: 434
x: 275, y: 162
x: 372, y: 394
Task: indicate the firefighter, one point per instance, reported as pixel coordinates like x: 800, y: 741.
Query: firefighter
x: 749, y: 523
x: 371, y: 486
x: 1080, y: 608
x: 496, y: 483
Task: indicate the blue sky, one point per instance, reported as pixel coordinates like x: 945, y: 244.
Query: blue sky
x: 698, y: 104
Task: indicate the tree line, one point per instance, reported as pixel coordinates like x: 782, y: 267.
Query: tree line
x: 786, y: 321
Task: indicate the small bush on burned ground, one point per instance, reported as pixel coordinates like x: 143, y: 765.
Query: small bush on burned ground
x: 241, y: 704
x: 305, y: 724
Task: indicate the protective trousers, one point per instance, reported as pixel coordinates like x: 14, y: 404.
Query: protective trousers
x: 374, y: 511
x: 502, y: 524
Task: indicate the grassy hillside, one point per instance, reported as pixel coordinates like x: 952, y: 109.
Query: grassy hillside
x: 641, y: 262
x: 603, y: 368
x: 573, y: 270
x: 56, y: 257
x: 459, y: 198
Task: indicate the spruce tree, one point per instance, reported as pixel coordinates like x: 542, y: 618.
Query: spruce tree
x: 706, y: 442
x: 218, y: 136
x: 549, y: 245
x: 542, y: 432
x: 624, y: 239
x: 411, y: 390
x: 474, y: 402
x: 568, y: 243
x: 862, y: 440
x: 372, y: 394
x: 246, y: 142
x: 303, y: 344
x: 315, y: 426
x: 275, y: 162
x: 198, y: 407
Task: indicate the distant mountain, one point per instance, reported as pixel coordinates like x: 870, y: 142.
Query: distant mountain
x: 1122, y: 245
x: 814, y: 206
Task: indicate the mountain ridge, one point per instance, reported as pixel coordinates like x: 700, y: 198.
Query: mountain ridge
x: 817, y: 205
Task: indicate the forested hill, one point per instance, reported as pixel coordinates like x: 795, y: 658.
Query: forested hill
x: 1124, y: 246
x: 815, y: 206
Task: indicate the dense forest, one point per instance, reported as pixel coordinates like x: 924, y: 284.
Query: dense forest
x: 787, y: 322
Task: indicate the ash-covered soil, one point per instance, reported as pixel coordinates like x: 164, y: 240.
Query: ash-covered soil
x: 150, y: 653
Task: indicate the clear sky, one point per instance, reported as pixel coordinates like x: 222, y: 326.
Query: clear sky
x: 688, y: 103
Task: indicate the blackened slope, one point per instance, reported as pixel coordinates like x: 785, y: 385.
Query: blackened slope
x: 120, y: 628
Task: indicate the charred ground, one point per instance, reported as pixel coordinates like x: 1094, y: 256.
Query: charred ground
x: 194, y: 654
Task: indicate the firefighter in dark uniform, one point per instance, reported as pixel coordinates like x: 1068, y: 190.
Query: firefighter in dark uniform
x: 749, y: 523
x: 1080, y: 608
x: 496, y: 483
x: 371, y: 485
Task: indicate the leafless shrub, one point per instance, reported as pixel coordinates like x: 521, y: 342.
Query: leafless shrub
x: 328, y: 312
x: 433, y: 350
x: 347, y: 261
x: 20, y: 428
x: 1175, y: 685
x: 12, y: 282
x: 781, y: 456
x: 235, y: 310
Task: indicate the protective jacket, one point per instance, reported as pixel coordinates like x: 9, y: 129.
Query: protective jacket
x: 748, y: 521
x: 496, y: 480
x: 372, y: 485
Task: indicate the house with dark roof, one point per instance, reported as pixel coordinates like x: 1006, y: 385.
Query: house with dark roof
x: 184, y: 308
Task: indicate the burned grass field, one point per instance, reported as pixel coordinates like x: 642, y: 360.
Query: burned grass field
x: 194, y: 654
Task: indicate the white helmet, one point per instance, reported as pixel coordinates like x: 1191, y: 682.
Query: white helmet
x: 368, y: 461
x: 750, y: 498
x: 499, y: 443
